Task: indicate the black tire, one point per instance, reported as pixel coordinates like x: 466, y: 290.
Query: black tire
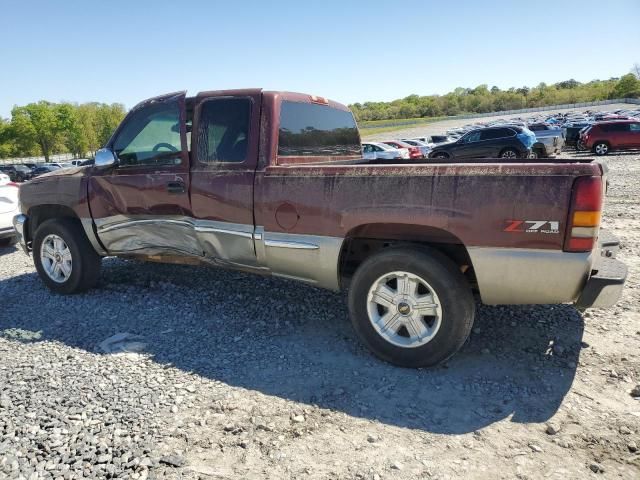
x: 509, y: 153
x: 446, y: 280
x: 440, y: 155
x: 8, y: 242
x: 601, y: 148
x: 85, y: 271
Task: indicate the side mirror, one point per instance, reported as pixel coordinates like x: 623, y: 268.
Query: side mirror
x: 105, y: 158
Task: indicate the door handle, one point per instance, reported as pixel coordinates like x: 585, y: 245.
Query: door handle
x: 176, y: 187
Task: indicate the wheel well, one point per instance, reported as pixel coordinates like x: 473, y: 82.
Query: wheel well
x: 367, y: 240
x: 42, y: 213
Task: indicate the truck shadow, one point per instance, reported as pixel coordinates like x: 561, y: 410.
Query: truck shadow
x: 295, y: 342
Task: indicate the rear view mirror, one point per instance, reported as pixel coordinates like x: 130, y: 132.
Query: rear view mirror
x: 105, y: 158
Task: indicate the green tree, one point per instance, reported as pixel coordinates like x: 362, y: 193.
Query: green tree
x: 627, y: 87
x: 37, y: 123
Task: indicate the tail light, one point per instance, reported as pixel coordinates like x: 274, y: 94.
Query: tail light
x: 584, y: 214
x: 13, y: 184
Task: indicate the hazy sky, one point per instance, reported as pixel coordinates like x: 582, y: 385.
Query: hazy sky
x: 125, y: 51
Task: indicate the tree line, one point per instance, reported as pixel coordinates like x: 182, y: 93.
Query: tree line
x: 46, y: 128
x: 483, y: 99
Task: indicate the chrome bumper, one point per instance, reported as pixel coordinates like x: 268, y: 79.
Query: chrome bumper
x: 20, y: 225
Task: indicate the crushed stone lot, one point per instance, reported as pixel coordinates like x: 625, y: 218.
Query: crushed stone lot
x: 224, y: 375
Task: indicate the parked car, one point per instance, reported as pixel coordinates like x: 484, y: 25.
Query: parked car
x: 603, y: 137
x: 382, y: 151
x: 42, y: 169
x: 549, y: 140
x: 281, y: 193
x: 23, y: 172
x: 435, y: 139
x: 424, y: 148
x: 493, y: 142
x: 8, y: 170
x: 414, y: 152
x: 572, y: 132
x: 8, y: 210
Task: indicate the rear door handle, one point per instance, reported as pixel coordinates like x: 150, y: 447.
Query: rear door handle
x: 176, y: 187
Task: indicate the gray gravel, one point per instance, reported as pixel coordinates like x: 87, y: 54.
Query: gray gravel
x: 227, y: 375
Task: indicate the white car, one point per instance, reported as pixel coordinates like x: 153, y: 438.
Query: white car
x: 382, y: 151
x: 8, y: 209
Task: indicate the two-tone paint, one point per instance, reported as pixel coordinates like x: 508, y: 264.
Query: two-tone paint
x: 292, y: 216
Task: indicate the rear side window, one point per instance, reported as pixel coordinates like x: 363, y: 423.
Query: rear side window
x: 307, y: 129
x: 615, y: 127
x: 223, y: 130
x: 635, y: 127
x: 496, y: 133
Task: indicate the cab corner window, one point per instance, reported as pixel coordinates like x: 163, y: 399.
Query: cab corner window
x: 223, y: 130
x: 151, y: 136
x: 308, y: 129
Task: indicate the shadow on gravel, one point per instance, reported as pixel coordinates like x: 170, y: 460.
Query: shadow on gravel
x: 295, y: 342
x: 7, y: 250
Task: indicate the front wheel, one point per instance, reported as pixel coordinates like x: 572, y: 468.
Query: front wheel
x: 411, y: 307
x: 64, y: 258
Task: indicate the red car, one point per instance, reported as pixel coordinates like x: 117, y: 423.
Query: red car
x: 414, y: 152
x: 602, y: 137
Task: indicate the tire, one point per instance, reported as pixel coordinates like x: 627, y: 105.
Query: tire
x: 447, y: 297
x: 8, y: 242
x: 441, y: 155
x: 509, y: 153
x: 601, y: 148
x: 82, y: 270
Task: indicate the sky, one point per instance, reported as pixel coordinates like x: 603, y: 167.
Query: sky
x: 349, y: 51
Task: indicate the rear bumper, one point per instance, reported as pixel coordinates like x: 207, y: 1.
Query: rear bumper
x: 604, y: 287
x: 20, y: 225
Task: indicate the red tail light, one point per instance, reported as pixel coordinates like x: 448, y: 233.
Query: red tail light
x: 584, y: 214
x: 13, y: 184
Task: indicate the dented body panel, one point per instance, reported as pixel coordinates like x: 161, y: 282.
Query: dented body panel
x: 291, y: 213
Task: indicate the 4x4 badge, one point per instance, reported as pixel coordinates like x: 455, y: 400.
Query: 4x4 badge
x: 532, y: 226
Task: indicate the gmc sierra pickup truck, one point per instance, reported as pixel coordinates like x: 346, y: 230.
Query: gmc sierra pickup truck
x: 274, y: 183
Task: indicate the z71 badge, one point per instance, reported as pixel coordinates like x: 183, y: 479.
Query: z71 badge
x: 532, y: 226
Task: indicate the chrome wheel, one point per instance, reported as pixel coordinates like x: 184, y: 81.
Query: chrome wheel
x: 404, y: 309
x: 602, y: 149
x: 56, y: 258
x: 509, y: 154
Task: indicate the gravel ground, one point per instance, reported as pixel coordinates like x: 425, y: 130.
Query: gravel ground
x: 234, y: 376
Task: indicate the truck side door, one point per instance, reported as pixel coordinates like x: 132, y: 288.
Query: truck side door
x: 224, y: 154
x: 141, y: 204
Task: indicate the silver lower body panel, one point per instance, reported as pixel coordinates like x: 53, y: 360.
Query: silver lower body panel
x: 512, y: 276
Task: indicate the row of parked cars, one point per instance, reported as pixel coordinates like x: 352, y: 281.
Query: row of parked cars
x: 21, y: 172
x: 533, y: 137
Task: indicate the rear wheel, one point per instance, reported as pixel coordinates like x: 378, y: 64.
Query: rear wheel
x: 64, y: 258
x: 440, y: 155
x: 509, y: 153
x: 411, y: 307
x: 601, y: 148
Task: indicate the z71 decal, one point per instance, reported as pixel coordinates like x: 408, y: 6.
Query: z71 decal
x: 532, y: 226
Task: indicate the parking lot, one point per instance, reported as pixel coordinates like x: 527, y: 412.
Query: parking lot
x: 235, y: 376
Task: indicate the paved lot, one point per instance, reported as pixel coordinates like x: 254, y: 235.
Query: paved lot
x: 247, y: 377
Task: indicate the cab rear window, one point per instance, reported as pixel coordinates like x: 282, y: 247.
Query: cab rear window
x: 308, y: 129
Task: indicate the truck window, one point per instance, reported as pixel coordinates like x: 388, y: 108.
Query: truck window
x: 151, y: 136
x: 223, y: 130
x: 308, y: 129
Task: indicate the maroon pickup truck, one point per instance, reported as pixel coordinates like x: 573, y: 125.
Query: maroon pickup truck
x: 274, y: 183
